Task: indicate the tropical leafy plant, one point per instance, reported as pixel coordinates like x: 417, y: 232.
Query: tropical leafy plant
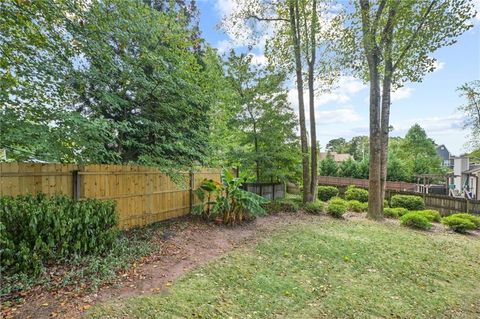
x: 232, y: 204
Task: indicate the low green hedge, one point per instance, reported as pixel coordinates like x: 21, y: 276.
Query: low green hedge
x: 354, y: 193
x: 461, y: 222
x: 396, y: 212
x: 336, y: 209
x: 430, y: 214
x: 327, y: 192
x: 315, y: 207
x: 36, y: 230
x: 415, y: 220
x: 356, y: 206
x: 458, y: 224
x: 410, y: 202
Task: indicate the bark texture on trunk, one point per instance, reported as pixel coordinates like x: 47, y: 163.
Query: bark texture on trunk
x: 294, y: 26
x: 311, y: 92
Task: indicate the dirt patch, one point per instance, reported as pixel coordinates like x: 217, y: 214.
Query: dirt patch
x: 180, y: 251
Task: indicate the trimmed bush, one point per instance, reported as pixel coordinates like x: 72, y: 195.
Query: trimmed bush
x: 432, y: 215
x: 410, y: 202
x: 356, y: 206
x: 474, y: 219
x: 415, y: 220
x: 336, y: 209
x: 390, y: 212
x: 327, y: 192
x: 36, y: 230
x: 458, y: 224
x: 338, y: 200
x: 315, y: 207
x: 354, y: 193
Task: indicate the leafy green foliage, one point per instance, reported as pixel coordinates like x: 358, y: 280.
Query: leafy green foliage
x: 36, y: 230
x: 232, y: 204
x: 357, y: 206
x: 315, y: 207
x: 470, y: 92
x: 254, y: 124
x: 416, y: 220
x: 354, y: 193
x: 430, y: 214
x: 327, y: 192
x: 410, y: 202
x: 474, y: 219
x: 328, y: 167
x: 394, y: 212
x: 458, y: 223
x: 336, y: 210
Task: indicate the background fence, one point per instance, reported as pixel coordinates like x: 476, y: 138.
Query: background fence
x: 143, y: 194
x: 270, y: 191
x: 446, y: 205
x: 345, y: 181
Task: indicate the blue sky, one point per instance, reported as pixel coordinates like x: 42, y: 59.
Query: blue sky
x: 344, y: 112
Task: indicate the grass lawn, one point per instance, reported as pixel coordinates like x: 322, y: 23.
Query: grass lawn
x: 326, y: 269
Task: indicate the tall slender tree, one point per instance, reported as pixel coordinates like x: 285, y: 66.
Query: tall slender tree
x: 397, y: 38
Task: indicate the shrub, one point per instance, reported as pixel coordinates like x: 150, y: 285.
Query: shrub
x: 314, y: 207
x: 385, y: 203
x: 232, y: 204
x: 283, y: 205
x: 396, y: 212
x: 338, y: 200
x: 415, y: 220
x: 474, y: 219
x: 336, y: 210
x: 354, y: 193
x: 327, y: 192
x: 410, y: 202
x: 356, y: 206
x: 458, y: 223
x: 430, y: 214
x: 35, y: 230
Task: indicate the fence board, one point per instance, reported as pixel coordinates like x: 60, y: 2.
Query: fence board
x: 143, y: 194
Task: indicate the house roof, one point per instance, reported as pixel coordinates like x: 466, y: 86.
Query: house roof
x: 472, y: 169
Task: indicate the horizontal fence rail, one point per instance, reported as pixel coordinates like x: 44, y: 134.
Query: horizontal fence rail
x: 143, y: 195
x: 345, y: 181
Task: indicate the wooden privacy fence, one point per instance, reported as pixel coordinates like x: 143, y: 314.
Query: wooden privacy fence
x: 143, y: 194
x: 270, y: 191
x: 345, y: 181
x: 446, y: 205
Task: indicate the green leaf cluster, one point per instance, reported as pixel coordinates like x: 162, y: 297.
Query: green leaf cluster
x: 37, y: 230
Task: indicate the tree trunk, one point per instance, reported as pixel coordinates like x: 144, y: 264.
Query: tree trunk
x: 374, y: 181
x: 293, y: 12
x: 386, y: 102
x: 255, y: 140
x: 311, y: 92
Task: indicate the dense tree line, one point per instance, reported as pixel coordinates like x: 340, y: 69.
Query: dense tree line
x: 412, y: 155
x: 128, y: 81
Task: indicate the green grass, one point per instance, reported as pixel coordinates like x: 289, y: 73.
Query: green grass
x: 326, y: 269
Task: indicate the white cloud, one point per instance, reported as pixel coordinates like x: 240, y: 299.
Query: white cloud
x: 401, y: 93
x: 337, y: 116
x: 434, y: 124
x: 223, y: 46
x: 225, y: 7
x: 345, y: 88
x: 438, y: 65
x: 259, y: 59
x: 476, y: 4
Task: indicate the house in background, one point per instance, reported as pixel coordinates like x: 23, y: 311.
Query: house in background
x: 445, y: 155
x: 337, y: 157
x: 465, y: 179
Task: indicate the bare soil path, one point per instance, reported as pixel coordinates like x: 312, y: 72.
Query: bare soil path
x: 181, y: 251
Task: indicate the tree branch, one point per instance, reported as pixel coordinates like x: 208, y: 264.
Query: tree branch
x: 415, y: 34
x: 269, y: 19
x: 378, y: 15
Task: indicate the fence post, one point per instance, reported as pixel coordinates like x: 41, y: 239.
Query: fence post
x: 76, y: 185
x: 192, y: 180
x: 468, y: 206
